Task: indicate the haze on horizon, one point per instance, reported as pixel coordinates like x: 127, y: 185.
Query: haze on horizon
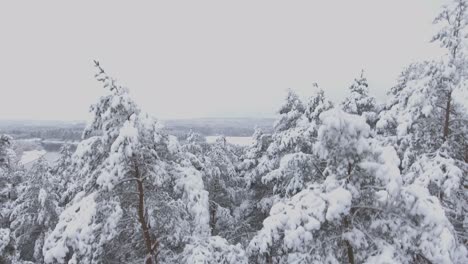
x: 204, y: 58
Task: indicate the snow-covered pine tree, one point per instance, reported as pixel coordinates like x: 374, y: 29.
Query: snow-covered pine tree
x: 217, y: 162
x: 266, y: 154
x: 317, y: 104
x: 290, y: 112
x: 7, y: 196
x: 289, y: 158
x: 224, y: 187
x: 427, y: 119
x: 195, y: 146
x: 452, y: 79
x: 359, y: 212
x: 214, y: 250
x: 248, y: 212
x: 7, y: 168
x: 35, y: 212
x: 7, y: 155
x: 62, y: 169
x: 254, y: 151
x: 285, y: 139
x: 360, y: 102
x: 281, y: 164
x: 140, y: 200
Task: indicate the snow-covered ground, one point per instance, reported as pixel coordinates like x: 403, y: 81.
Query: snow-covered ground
x: 241, y: 141
x: 32, y: 155
x: 51, y: 156
x: 29, y: 157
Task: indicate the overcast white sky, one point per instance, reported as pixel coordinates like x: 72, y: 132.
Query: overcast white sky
x: 184, y: 59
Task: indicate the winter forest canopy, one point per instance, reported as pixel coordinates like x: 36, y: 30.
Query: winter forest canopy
x: 350, y: 182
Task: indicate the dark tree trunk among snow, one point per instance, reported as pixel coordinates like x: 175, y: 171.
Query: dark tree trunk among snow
x: 213, y: 209
x: 349, y: 249
x: 447, y: 115
x: 466, y: 152
x: 141, y: 218
x: 346, y: 223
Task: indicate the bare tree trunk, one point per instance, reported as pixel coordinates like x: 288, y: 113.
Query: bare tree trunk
x: 213, y: 190
x: 349, y: 248
x: 466, y: 153
x: 350, y: 252
x: 350, y: 169
x: 141, y: 218
x: 269, y: 258
x: 346, y: 224
x: 447, y: 116
x: 213, y: 220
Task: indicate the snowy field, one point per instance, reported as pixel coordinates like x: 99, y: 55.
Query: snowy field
x: 51, y: 156
x: 30, y: 156
x: 241, y: 141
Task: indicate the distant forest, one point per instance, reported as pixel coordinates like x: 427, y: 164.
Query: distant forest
x: 63, y: 131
